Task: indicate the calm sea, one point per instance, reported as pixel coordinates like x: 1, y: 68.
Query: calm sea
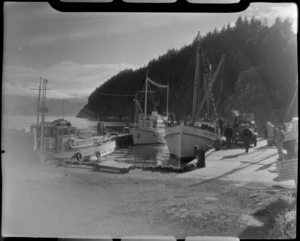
x: 146, y: 156
x: 23, y: 122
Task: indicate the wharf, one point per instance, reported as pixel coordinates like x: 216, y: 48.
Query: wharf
x: 110, y: 164
x: 256, y: 166
x: 106, y: 164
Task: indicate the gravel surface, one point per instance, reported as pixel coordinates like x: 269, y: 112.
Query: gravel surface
x: 51, y: 199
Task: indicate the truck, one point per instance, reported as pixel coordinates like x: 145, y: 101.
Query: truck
x: 238, y: 136
x: 243, y: 120
x: 290, y: 143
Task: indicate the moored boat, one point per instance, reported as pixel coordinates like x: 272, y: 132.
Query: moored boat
x: 196, y: 132
x: 61, y: 140
x: 149, y: 129
x: 182, y: 139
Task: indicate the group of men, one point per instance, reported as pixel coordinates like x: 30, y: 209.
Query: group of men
x: 229, y: 131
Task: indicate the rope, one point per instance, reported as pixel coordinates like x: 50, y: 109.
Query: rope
x: 185, y: 75
x: 151, y: 97
x: 156, y: 84
x: 221, y: 88
x: 114, y: 94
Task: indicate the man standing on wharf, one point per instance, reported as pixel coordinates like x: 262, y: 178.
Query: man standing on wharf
x: 247, y: 137
x: 228, y: 134
x: 279, y: 141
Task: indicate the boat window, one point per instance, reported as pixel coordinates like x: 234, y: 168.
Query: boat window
x: 60, y: 132
x: 46, y: 132
x: 38, y: 132
x: 52, y: 132
x: 72, y: 131
x: 207, y: 127
x: 154, y: 124
x: 65, y: 131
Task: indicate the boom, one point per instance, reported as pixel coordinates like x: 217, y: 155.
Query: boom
x: 209, y: 87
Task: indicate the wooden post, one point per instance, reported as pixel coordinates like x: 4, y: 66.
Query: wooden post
x: 200, y: 158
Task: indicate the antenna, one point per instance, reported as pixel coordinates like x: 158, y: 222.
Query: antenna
x: 39, y: 101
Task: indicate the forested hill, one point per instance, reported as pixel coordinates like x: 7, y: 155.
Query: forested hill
x: 259, y: 75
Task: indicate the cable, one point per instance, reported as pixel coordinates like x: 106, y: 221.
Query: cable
x: 115, y: 95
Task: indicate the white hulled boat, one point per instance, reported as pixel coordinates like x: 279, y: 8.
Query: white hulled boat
x: 60, y: 140
x: 183, y: 138
x: 149, y: 129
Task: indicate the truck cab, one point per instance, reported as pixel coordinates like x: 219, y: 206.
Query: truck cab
x: 291, y: 136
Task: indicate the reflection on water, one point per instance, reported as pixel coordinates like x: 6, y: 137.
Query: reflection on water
x: 143, y: 156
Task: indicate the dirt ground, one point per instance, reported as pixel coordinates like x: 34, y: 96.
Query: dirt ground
x: 52, y: 200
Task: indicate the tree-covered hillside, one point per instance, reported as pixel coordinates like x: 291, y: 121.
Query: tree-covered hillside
x: 260, y: 73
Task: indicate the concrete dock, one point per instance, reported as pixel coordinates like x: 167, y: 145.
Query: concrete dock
x: 256, y: 166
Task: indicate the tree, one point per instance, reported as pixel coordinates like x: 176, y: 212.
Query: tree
x: 251, y: 96
x: 260, y: 72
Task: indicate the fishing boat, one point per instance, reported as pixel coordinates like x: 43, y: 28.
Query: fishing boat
x: 149, y: 129
x: 195, y: 132
x: 61, y: 140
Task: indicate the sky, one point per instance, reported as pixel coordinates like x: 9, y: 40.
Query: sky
x: 77, y: 52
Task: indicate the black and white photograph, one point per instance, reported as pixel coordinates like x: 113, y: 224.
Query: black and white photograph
x: 127, y: 124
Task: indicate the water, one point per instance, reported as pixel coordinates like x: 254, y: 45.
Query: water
x: 23, y: 122
x: 146, y: 156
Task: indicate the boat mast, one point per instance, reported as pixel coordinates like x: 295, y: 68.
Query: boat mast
x: 207, y: 80
x: 39, y: 101
x: 146, y: 94
x: 43, y: 117
x: 168, y: 101
x: 212, y: 81
x: 196, y: 78
x: 64, y: 109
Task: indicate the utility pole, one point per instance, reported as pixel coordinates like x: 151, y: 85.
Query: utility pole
x: 43, y: 110
x: 40, y: 89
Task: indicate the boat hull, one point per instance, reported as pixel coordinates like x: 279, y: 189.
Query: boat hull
x: 104, y: 149
x: 182, y: 140
x: 147, y: 136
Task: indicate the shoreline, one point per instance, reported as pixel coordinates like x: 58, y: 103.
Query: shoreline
x: 48, y: 200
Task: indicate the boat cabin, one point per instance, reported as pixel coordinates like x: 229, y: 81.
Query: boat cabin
x: 57, y: 135
x: 151, y: 121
